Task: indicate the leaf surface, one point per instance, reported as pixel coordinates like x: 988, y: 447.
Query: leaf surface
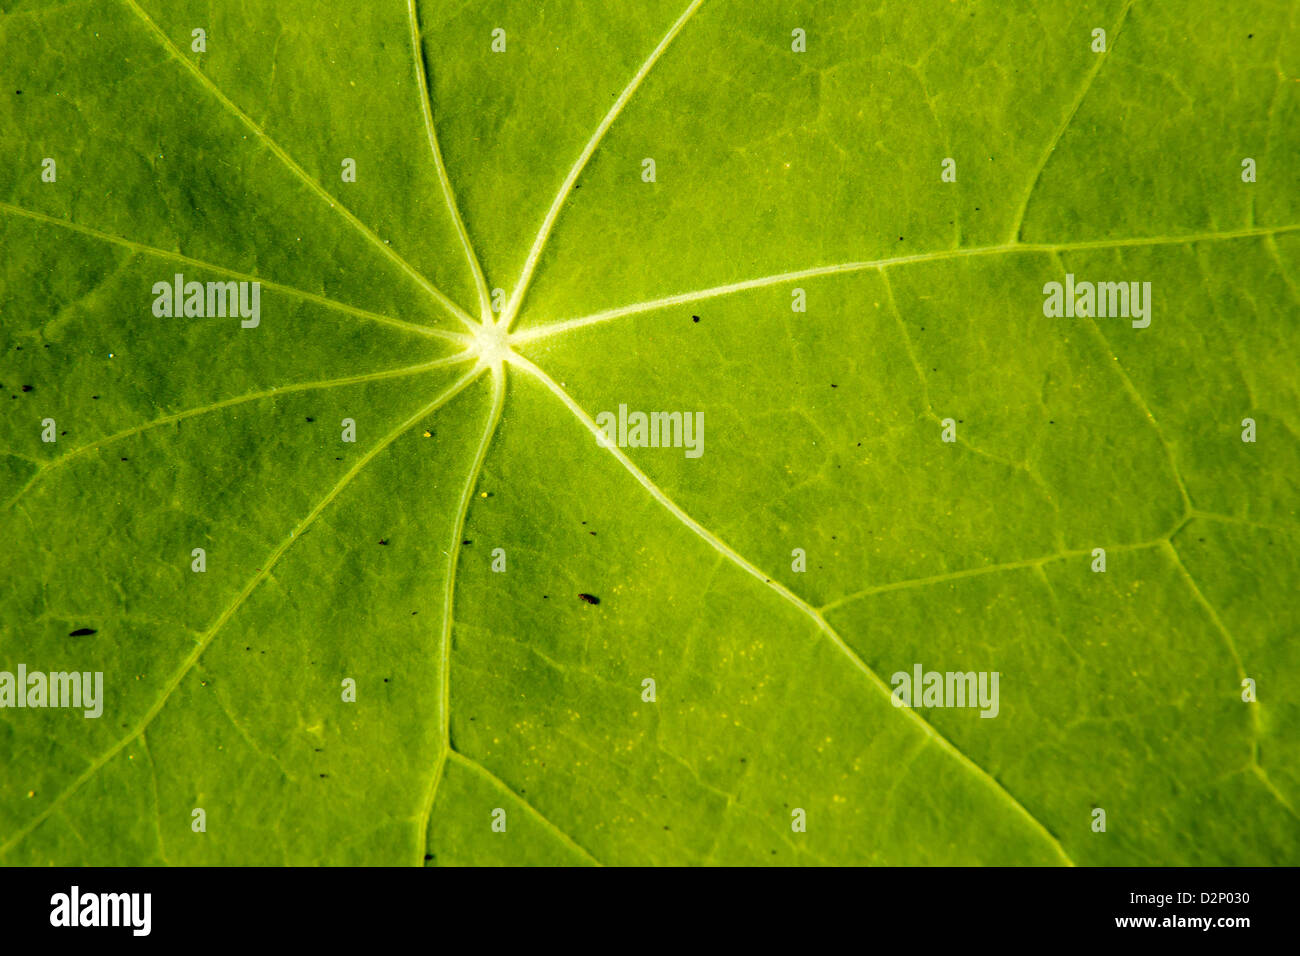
x: 518, y: 176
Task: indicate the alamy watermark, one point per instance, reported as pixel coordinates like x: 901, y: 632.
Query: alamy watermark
x: 653, y: 430
x: 923, y: 688
x: 75, y: 908
x: 1124, y: 300
x: 198, y: 300
x: 75, y: 689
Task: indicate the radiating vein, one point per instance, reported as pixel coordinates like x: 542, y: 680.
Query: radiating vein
x: 438, y: 295
x: 799, y: 603
x: 713, y: 292
x: 53, y: 463
x: 426, y: 106
x: 448, y: 600
x: 231, y: 609
x: 535, y: 253
x: 312, y: 297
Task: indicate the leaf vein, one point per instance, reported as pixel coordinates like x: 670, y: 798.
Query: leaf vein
x: 290, y: 290
x: 448, y: 604
x: 202, y: 645
x: 426, y: 107
x: 803, y: 606
x: 606, y: 315
x: 1019, y: 222
x: 49, y: 465
x: 366, y: 232
x: 572, y: 844
x: 552, y: 214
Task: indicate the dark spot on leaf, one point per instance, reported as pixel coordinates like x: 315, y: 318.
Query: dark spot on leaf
x: 589, y: 598
x: 27, y: 388
x: 310, y: 419
x: 695, y: 318
x: 468, y: 541
x: 383, y: 541
x: 429, y: 856
x: 94, y: 396
x: 83, y: 632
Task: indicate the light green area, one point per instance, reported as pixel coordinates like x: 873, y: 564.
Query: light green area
x: 372, y: 561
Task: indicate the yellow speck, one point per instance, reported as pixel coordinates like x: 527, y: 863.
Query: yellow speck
x: 428, y: 434
x: 30, y: 794
x: 482, y: 494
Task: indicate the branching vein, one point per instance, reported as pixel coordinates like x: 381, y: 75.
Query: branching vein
x: 535, y: 253
x: 713, y: 292
x: 426, y: 106
x: 785, y: 593
x: 312, y: 297
x: 47, y: 466
x: 448, y: 602
x: 231, y: 609
x: 368, y: 233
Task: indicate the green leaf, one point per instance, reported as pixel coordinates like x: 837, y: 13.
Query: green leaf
x: 825, y: 539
